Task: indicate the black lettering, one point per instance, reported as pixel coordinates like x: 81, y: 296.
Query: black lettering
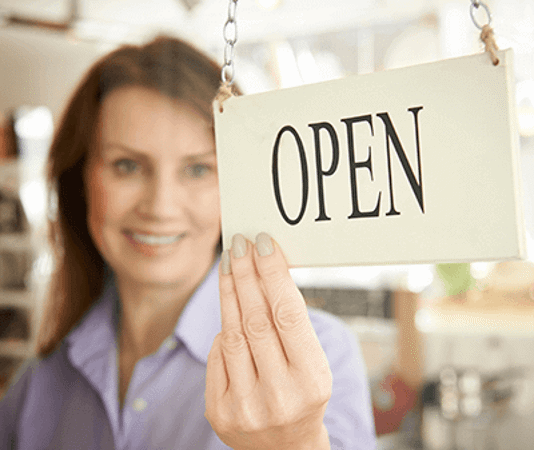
x: 353, y: 166
x: 391, y: 135
x: 318, y: 162
x: 304, y: 173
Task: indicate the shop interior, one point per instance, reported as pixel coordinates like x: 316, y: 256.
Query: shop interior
x: 449, y: 348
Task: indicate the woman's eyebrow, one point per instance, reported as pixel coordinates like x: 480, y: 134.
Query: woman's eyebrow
x: 118, y: 146
x: 208, y: 154
x: 140, y: 154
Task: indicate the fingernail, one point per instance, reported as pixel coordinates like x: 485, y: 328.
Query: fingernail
x: 264, y: 244
x: 239, y: 246
x: 226, y: 268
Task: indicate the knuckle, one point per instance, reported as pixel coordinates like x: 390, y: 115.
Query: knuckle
x: 245, y: 281
x: 241, y: 417
x: 324, y: 392
x: 233, y: 341
x: 226, y: 288
x: 247, y: 423
x: 242, y: 271
x: 215, y: 415
x: 288, y: 317
x: 258, y: 324
x: 210, y: 415
x: 317, y: 402
x: 282, y: 411
x: 215, y: 353
x: 322, y: 388
x: 272, y: 271
x: 220, y: 424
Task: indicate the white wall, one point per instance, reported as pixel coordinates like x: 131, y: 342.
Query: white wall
x: 41, y: 68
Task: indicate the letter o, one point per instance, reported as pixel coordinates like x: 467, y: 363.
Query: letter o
x: 304, y: 172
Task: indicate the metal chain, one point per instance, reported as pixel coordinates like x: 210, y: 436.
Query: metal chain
x: 475, y: 4
x: 230, y: 38
x: 486, y: 32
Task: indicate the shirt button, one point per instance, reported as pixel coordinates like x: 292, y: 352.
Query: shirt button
x: 171, y: 343
x: 139, y: 404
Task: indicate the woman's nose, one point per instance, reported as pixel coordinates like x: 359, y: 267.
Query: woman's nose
x: 160, y: 201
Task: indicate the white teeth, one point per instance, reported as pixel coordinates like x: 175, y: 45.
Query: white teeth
x: 150, y: 239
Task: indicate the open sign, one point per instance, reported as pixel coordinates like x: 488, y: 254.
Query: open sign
x: 391, y: 136
x: 412, y: 165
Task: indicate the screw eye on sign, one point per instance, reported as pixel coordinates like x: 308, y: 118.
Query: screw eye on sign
x: 412, y: 165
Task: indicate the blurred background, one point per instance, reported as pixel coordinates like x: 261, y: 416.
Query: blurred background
x: 449, y: 348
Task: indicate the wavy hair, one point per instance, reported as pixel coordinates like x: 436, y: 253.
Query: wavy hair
x: 169, y: 66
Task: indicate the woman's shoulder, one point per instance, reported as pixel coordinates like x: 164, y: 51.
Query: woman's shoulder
x: 328, y: 325
x: 36, y: 371
x: 339, y: 341
x: 24, y: 385
x: 349, y: 415
x: 46, y: 397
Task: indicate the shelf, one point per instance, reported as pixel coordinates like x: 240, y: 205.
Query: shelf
x: 17, y: 349
x: 15, y: 241
x: 19, y: 251
x: 18, y: 299
x: 516, y: 320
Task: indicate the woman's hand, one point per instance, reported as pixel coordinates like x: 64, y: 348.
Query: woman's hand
x: 268, y: 381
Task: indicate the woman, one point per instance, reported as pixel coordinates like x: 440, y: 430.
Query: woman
x: 146, y: 342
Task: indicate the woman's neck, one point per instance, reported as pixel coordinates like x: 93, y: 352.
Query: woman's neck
x: 147, y: 317
x: 149, y: 313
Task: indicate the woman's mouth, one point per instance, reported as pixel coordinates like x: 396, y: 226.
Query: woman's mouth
x: 153, y: 239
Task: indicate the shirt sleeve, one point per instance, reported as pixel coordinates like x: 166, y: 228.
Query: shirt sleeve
x: 348, y: 417
x: 11, y: 405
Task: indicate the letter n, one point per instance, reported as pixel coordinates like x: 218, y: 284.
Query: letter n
x: 392, y: 136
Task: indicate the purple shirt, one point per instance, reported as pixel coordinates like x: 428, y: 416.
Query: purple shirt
x: 69, y: 400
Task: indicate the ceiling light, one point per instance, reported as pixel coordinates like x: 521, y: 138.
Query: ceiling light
x: 189, y: 4
x: 269, y: 4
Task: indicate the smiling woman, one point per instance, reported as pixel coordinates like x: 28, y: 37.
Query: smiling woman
x: 166, y: 69
x: 145, y: 341
x: 152, y: 192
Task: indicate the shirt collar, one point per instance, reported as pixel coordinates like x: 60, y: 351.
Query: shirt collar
x: 90, y: 342
x: 200, y: 320
x: 197, y: 326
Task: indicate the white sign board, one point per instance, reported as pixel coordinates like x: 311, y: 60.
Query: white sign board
x: 412, y: 165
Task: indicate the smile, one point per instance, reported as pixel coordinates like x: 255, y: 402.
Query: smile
x: 151, y: 239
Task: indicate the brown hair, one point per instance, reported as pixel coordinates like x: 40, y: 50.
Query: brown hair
x: 167, y: 65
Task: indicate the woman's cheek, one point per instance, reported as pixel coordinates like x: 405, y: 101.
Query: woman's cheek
x: 207, y: 208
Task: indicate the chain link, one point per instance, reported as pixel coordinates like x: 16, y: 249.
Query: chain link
x: 475, y: 5
x: 230, y: 38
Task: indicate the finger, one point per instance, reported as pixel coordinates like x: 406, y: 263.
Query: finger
x: 230, y: 312
x: 216, y: 376
x: 257, y: 321
x: 240, y: 367
x: 288, y: 308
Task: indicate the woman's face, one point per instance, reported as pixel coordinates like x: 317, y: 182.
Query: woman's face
x: 152, y: 190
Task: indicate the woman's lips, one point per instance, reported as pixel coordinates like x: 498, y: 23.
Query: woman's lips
x: 153, y: 239
x: 152, y: 244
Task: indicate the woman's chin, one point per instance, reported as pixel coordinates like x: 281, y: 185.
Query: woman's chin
x: 151, y: 276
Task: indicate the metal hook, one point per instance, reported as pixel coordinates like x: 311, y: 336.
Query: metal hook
x: 475, y: 5
x: 230, y: 38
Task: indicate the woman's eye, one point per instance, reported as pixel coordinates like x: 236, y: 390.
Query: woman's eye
x: 197, y: 170
x: 125, y: 166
